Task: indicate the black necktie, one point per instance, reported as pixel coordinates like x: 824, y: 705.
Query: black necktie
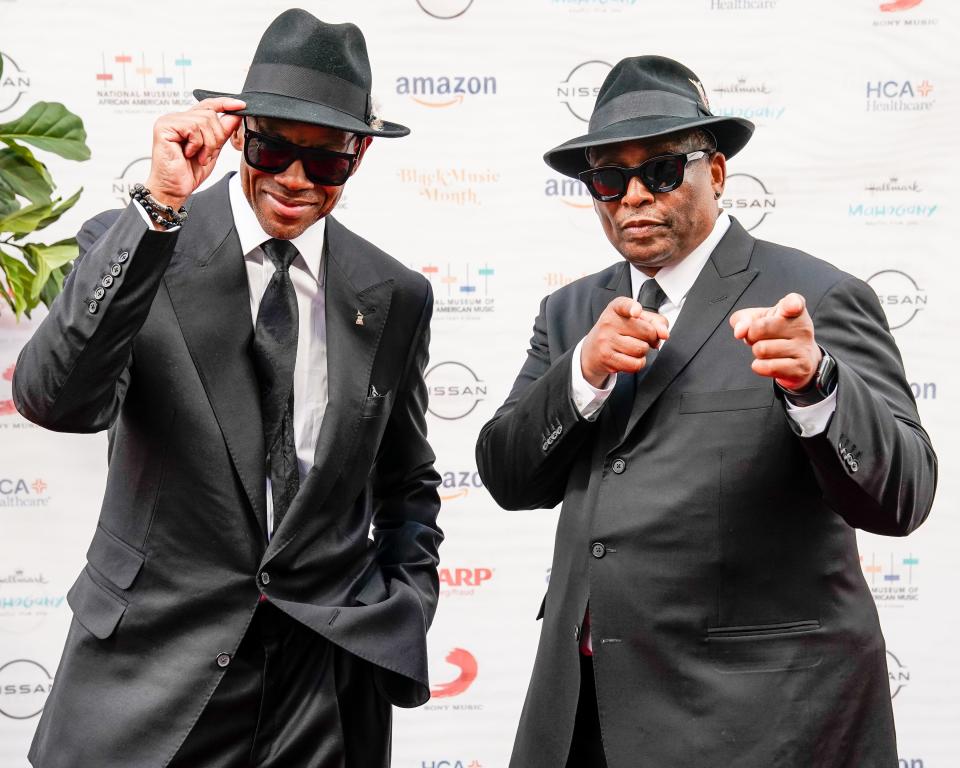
x: 651, y: 298
x: 275, y: 355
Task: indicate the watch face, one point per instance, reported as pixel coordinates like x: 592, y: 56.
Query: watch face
x: 827, y: 375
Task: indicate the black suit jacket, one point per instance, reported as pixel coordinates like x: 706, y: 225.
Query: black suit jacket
x: 176, y: 566
x: 731, y: 622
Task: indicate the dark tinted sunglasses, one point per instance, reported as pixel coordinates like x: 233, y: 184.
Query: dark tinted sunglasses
x: 271, y: 154
x: 658, y: 174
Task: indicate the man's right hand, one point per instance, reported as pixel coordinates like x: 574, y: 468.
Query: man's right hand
x: 620, y: 340
x: 186, y: 146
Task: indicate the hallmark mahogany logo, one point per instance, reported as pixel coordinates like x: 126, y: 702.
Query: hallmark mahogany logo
x: 466, y: 664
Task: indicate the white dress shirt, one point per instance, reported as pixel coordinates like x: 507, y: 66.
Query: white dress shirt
x: 676, y: 281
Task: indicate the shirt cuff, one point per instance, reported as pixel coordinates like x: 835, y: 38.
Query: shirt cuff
x: 147, y: 220
x: 586, y: 397
x: 812, y: 419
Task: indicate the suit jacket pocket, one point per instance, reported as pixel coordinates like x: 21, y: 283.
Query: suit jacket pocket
x: 726, y: 400
x: 375, y: 589
x: 762, y: 631
x: 114, y: 558
x: 376, y: 405
x: 94, y: 606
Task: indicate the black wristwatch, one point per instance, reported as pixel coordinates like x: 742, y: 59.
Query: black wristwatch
x: 820, y: 388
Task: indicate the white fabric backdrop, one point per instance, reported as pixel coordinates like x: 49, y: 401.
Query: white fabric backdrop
x: 854, y: 160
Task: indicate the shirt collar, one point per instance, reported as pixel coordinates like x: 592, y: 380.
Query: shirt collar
x: 677, y: 279
x: 252, y: 236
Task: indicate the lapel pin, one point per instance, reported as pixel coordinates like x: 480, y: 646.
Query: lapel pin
x: 359, y: 320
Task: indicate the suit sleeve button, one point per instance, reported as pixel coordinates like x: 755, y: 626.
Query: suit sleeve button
x: 99, y: 293
x: 122, y: 255
x: 107, y: 281
x: 598, y: 550
x: 115, y: 270
x: 619, y: 465
x: 545, y: 446
x: 223, y: 660
x: 92, y: 307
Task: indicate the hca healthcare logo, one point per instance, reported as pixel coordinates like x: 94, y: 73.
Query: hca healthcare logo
x: 900, y: 295
x: 893, y: 201
x: 140, y: 82
x: 895, y: 95
x: 466, y: 670
x: 892, y: 578
x: 461, y: 291
x: 24, y: 687
x: 750, y: 98
x: 14, y: 83
x: 455, y: 390
x: 23, y: 493
x: 445, y: 9
x: 456, y: 186
x: 438, y: 91
x: 749, y: 199
x: 578, y: 91
x: 458, y: 484
x: 454, y: 763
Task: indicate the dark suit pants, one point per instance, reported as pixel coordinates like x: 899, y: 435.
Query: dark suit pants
x: 586, y: 746
x: 290, y: 698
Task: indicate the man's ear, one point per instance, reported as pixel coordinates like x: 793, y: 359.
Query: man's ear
x: 236, y: 138
x: 365, y: 142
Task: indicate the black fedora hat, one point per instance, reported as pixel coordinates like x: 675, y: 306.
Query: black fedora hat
x: 645, y: 97
x: 312, y: 72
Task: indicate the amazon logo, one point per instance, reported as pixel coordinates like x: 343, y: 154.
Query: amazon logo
x: 466, y: 665
x: 445, y: 90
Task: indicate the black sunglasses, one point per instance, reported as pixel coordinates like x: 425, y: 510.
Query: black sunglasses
x: 658, y: 174
x: 271, y: 154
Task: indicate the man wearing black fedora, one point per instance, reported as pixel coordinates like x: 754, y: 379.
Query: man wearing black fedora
x: 259, y: 585
x: 717, y: 415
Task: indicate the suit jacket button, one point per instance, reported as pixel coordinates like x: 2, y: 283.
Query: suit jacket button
x: 598, y: 550
x: 92, y: 307
x: 223, y: 660
x: 122, y: 255
x: 264, y: 578
x: 576, y: 632
x: 619, y: 465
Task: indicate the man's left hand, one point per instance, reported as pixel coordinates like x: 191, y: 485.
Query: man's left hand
x: 782, y: 341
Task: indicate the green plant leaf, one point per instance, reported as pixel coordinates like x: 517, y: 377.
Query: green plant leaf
x: 8, y: 201
x: 45, y: 259
x: 19, y: 278
x: 50, y: 126
x: 24, y: 220
x: 21, y: 172
x: 60, y: 209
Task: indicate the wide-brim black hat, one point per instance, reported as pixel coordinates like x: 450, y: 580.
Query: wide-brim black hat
x: 645, y: 97
x: 312, y: 72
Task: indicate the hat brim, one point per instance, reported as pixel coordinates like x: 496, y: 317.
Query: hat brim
x: 289, y: 108
x: 731, y: 133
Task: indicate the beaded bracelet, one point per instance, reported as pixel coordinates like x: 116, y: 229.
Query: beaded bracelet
x: 164, y: 215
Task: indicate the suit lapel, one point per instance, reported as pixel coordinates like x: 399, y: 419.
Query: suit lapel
x: 351, y: 285
x: 722, y: 280
x: 208, y: 287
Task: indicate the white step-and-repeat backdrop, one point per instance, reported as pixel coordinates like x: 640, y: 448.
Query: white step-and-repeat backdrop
x: 855, y: 160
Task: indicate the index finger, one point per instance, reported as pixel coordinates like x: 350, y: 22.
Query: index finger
x: 220, y: 104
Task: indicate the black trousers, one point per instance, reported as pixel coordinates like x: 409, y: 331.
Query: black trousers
x: 586, y: 747
x: 290, y: 699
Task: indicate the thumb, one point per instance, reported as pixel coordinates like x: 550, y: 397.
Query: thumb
x: 791, y: 305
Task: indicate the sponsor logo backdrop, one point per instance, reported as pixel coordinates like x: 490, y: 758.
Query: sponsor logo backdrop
x: 853, y: 161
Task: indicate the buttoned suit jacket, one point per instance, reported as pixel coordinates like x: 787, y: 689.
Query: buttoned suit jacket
x: 731, y: 622
x: 180, y: 557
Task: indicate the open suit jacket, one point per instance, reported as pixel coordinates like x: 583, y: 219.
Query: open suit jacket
x: 731, y: 623
x: 176, y: 566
